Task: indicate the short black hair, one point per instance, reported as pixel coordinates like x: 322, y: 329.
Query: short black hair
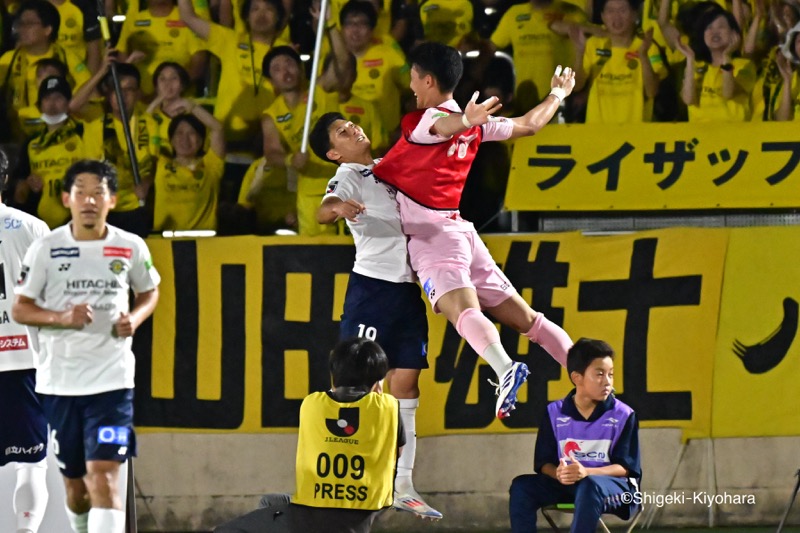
x: 584, y: 351
x: 320, y: 136
x: 102, y: 169
x: 192, y: 120
x: 47, y: 13
x: 5, y: 168
x: 442, y: 62
x: 280, y: 51
x: 697, y: 39
x: 634, y: 4
x: 359, y: 7
x: 182, y: 74
x: 124, y: 70
x: 53, y: 62
x: 358, y: 362
x: 244, y: 11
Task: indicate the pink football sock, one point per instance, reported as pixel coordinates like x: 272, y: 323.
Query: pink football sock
x: 551, y: 337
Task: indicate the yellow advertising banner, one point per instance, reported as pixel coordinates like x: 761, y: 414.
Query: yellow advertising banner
x: 758, y: 353
x: 577, y: 167
x: 245, y: 324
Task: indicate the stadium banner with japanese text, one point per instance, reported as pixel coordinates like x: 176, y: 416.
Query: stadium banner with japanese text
x: 578, y: 167
x: 245, y: 324
x: 758, y: 352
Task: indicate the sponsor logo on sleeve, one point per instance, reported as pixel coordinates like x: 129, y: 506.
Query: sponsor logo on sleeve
x: 331, y: 186
x: 116, y: 251
x: 23, y: 273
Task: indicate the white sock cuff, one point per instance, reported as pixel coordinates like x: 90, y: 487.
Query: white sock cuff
x: 408, y: 403
x: 79, y: 522
x: 40, y: 464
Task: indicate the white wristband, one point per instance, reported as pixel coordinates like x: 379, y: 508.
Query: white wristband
x: 464, y: 121
x: 559, y: 93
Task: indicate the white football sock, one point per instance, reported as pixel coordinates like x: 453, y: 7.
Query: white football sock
x: 79, y: 522
x: 30, y: 495
x: 405, y: 464
x: 106, y: 521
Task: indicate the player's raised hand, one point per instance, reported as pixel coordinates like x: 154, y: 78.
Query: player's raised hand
x: 124, y: 327
x: 478, y: 114
x: 78, y: 316
x: 563, y: 78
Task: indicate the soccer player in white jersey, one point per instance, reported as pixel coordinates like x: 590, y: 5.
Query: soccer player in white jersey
x: 74, y: 286
x: 23, y: 428
x: 383, y: 301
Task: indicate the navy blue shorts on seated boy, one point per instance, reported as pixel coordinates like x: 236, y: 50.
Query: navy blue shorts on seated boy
x: 391, y: 314
x: 23, y: 429
x: 95, y: 427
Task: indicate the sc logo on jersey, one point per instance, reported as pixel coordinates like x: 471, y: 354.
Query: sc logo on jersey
x: 347, y: 423
x: 113, y: 435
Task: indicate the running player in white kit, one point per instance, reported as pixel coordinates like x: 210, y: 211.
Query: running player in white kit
x: 74, y: 286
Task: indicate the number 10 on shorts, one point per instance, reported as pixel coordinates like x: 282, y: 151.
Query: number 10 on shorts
x: 368, y: 332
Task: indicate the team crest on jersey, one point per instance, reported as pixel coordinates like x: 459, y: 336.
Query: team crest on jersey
x: 116, y: 266
x: 70, y: 23
x: 331, y: 186
x: 65, y: 252
x: 347, y: 423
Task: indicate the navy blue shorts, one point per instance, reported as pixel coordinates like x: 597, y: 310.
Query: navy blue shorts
x: 90, y: 428
x: 391, y: 314
x: 23, y: 427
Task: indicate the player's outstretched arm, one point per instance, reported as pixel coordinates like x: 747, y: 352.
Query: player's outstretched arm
x: 474, y: 114
x: 26, y: 311
x: 537, y: 118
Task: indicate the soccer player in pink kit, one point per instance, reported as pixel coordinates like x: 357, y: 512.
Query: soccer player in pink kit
x: 429, y: 166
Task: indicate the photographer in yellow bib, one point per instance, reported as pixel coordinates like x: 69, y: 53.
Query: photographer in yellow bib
x: 349, y: 441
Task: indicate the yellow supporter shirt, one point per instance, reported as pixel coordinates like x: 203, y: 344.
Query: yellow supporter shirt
x: 350, y: 465
x: 107, y: 132
x: 161, y: 39
x: 536, y: 49
x: 446, y: 21
x: 616, y: 94
x: 711, y: 105
x: 186, y: 198
x: 18, y: 78
x: 273, y: 201
x: 289, y: 123
x: 201, y: 8
x: 244, y: 92
x: 72, y: 31
x: 313, y: 179
x: 381, y: 75
x: 49, y: 155
x: 766, y: 96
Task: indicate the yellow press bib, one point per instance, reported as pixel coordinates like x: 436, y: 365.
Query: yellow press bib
x: 346, y: 452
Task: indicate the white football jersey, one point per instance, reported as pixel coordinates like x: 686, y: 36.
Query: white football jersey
x: 381, y: 246
x: 17, y: 231
x: 60, y: 272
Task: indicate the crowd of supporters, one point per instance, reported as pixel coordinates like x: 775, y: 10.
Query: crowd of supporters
x: 215, y: 94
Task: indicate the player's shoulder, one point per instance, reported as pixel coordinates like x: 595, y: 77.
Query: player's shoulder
x: 118, y: 236
x: 12, y: 218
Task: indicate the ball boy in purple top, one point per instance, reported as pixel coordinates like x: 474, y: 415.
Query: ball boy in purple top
x: 587, y: 448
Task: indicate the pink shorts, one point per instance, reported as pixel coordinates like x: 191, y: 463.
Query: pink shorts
x: 452, y: 260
